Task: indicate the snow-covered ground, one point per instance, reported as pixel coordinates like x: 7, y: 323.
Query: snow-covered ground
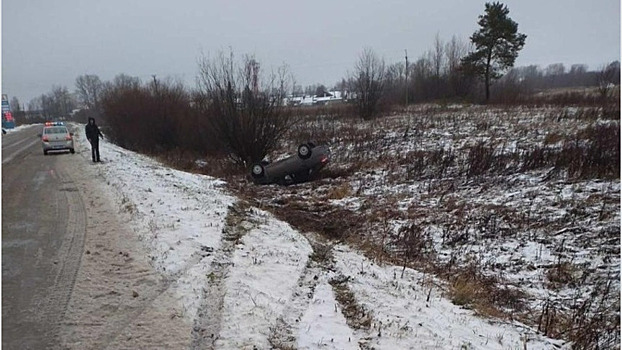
x: 247, y: 280
x: 477, y: 194
x: 17, y: 128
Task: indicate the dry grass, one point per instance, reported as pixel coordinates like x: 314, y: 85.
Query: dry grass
x: 562, y: 274
x: 553, y: 138
x: 465, y: 292
x: 357, y: 317
x: 484, y: 294
x: 437, y: 168
x: 340, y: 192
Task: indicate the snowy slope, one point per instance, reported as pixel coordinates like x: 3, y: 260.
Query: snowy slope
x: 247, y: 280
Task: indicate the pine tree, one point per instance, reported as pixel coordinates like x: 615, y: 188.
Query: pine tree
x: 497, y: 43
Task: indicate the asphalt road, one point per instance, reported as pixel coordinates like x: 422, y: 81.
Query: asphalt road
x: 43, y: 229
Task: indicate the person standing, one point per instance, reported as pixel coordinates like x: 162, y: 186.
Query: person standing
x: 93, y: 134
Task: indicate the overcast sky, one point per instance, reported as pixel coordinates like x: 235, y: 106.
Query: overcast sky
x: 49, y: 43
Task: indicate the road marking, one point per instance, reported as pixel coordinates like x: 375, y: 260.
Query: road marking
x: 15, y: 144
x: 18, y: 151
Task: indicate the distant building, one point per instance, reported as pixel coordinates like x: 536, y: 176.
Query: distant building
x: 329, y: 97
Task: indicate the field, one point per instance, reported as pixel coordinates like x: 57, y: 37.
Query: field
x: 514, y: 211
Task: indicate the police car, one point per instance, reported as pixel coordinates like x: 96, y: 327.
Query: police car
x: 56, y: 137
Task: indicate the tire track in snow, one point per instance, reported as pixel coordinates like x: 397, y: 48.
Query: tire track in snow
x: 283, y: 336
x: 357, y: 317
x: 111, y: 335
x: 56, y: 302
x: 208, y: 322
x: 319, y: 267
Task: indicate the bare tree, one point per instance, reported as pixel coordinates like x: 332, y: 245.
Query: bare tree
x: 421, y: 73
x: 437, y: 56
x: 369, y: 74
x: 297, y: 90
x: 438, y: 64
x: 555, y: 69
x: 57, y: 104
x: 530, y: 76
x: 154, y: 118
x: 88, y: 89
x: 15, y: 105
x: 244, y: 112
x: 454, y: 51
x: 285, y: 80
x: 35, y: 105
x: 578, y: 69
x: 395, y: 82
x: 608, y: 76
x: 553, y: 73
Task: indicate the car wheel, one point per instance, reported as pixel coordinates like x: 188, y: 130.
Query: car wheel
x: 304, y: 151
x: 257, y: 171
x: 72, y: 151
x: 45, y: 153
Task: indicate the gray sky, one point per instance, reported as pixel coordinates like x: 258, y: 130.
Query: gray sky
x: 46, y: 43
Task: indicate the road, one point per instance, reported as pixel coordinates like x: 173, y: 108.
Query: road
x: 43, y: 226
x: 73, y: 275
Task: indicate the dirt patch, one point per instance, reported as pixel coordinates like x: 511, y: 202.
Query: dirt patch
x: 356, y: 315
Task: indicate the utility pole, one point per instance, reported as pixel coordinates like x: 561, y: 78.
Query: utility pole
x: 155, y: 83
x: 406, y: 52
x: 408, y: 116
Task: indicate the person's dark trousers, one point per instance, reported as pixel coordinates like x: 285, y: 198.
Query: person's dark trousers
x: 95, y: 149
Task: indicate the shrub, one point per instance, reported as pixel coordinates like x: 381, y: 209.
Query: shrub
x: 480, y: 159
x: 593, y: 153
x: 246, y: 116
x: 368, y: 83
x: 153, y: 119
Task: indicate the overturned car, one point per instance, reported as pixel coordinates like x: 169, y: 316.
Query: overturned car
x: 294, y: 169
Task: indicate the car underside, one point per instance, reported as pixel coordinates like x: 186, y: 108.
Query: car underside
x: 301, y: 167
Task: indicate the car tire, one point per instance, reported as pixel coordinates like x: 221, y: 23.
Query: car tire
x: 304, y: 151
x: 257, y: 171
x: 45, y: 153
x: 72, y: 151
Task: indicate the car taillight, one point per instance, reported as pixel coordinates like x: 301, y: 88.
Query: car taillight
x: 324, y: 160
x: 45, y: 139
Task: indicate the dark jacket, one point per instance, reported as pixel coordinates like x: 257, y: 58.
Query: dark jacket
x: 92, y: 131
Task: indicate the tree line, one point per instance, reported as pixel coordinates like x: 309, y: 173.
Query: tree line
x: 237, y: 109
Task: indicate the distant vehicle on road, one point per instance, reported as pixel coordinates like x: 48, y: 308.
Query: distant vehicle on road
x: 56, y: 137
x: 294, y: 169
